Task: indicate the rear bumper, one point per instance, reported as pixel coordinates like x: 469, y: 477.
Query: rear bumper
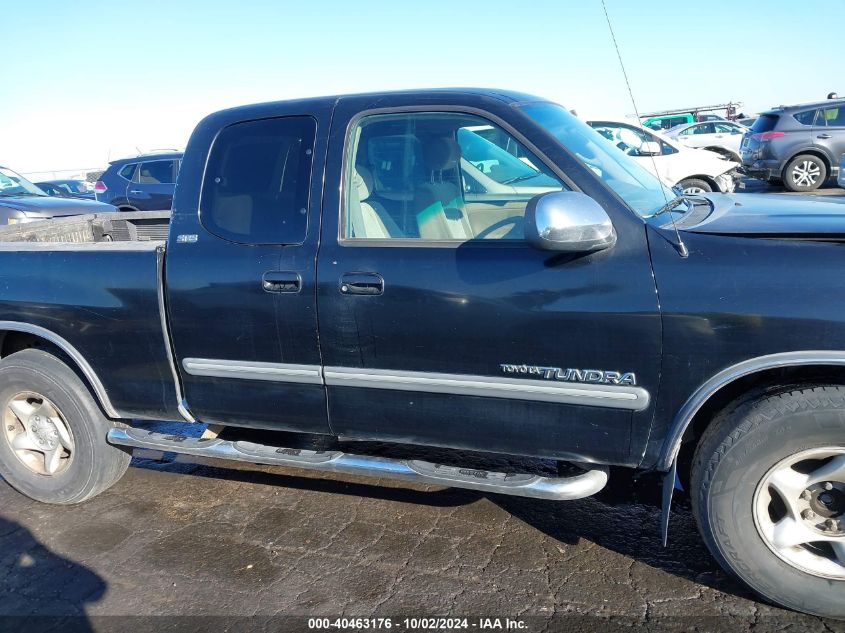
x: 763, y: 169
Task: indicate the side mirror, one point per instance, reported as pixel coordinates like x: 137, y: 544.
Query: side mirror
x: 567, y: 222
x: 649, y: 148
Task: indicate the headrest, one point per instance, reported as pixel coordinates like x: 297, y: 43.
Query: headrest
x: 441, y: 152
x: 362, y: 181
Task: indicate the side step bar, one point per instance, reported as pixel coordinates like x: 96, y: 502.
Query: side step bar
x: 524, y: 485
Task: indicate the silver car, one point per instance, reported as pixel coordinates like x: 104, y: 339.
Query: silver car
x: 21, y: 201
x: 722, y: 137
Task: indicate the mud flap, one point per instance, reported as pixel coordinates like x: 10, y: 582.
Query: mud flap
x: 669, y: 480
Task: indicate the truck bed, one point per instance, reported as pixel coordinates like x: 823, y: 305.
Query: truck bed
x: 120, y: 226
x: 100, y: 293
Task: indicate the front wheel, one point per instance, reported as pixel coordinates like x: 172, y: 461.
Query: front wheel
x: 804, y: 173
x: 768, y: 485
x: 694, y: 186
x: 53, y: 443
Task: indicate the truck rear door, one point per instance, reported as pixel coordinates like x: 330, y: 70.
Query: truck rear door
x: 241, y: 270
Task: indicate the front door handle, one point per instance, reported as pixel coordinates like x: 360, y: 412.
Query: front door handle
x: 362, y: 284
x: 135, y: 191
x: 281, y: 281
x: 823, y: 136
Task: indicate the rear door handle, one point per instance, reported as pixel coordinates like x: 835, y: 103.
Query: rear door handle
x: 823, y: 136
x: 362, y: 284
x: 281, y: 281
x: 135, y: 191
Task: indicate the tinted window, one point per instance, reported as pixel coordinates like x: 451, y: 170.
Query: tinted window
x: 804, y: 118
x: 158, y: 172
x: 257, y: 181
x: 765, y: 123
x: 127, y: 170
x: 439, y: 177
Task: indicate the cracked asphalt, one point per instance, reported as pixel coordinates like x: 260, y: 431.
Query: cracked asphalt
x: 198, y: 539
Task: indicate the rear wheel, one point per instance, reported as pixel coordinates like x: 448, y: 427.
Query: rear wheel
x: 769, y: 496
x: 693, y: 186
x: 804, y: 173
x: 53, y: 444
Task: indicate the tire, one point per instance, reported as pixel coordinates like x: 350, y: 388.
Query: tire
x: 805, y: 172
x: 39, y: 389
x: 695, y: 185
x: 736, y: 504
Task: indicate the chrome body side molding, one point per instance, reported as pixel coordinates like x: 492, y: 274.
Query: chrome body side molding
x: 672, y: 443
x: 70, y: 350
x: 585, y: 394
x: 613, y: 396
x: 245, y: 370
x: 181, y: 404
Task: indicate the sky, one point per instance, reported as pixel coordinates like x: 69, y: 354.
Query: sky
x: 86, y: 82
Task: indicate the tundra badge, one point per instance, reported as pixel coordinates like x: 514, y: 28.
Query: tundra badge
x: 595, y: 376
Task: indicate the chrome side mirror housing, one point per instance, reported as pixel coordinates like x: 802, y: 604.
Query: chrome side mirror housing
x: 568, y: 222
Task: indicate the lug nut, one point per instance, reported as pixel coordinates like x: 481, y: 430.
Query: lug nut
x: 832, y: 525
x: 827, y: 485
x: 808, y: 514
x: 806, y: 495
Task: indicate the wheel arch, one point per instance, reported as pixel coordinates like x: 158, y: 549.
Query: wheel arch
x: 736, y: 381
x: 15, y: 336
x: 812, y: 151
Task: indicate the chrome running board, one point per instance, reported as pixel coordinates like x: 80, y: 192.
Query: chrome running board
x: 520, y: 484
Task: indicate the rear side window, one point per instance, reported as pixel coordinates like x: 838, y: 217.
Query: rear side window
x: 127, y: 171
x: 257, y: 181
x: 765, y: 123
x: 805, y: 118
x: 158, y: 172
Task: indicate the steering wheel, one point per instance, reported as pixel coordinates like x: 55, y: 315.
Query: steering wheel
x: 513, y: 221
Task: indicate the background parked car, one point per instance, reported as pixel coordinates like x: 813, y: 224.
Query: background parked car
x: 693, y: 170
x: 66, y: 189
x: 142, y: 183
x: 21, y: 201
x: 722, y: 137
x: 799, y: 145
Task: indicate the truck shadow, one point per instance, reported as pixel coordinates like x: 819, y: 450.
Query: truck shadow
x: 41, y: 590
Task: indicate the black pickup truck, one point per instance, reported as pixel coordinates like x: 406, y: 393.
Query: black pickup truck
x: 474, y: 270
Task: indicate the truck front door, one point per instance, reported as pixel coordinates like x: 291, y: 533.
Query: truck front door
x: 241, y: 271
x: 440, y: 325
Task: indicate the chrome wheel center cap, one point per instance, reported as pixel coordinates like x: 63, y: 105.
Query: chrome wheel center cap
x: 44, y: 432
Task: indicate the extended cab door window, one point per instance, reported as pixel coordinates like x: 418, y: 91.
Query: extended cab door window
x: 257, y: 180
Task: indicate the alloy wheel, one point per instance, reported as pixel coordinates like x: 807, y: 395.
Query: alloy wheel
x: 806, y: 173
x: 37, y: 433
x: 799, y: 511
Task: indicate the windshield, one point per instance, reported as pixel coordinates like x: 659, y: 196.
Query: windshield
x: 641, y: 190
x: 13, y: 184
x: 497, y: 162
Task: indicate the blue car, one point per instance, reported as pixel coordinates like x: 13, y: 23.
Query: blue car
x: 142, y: 183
